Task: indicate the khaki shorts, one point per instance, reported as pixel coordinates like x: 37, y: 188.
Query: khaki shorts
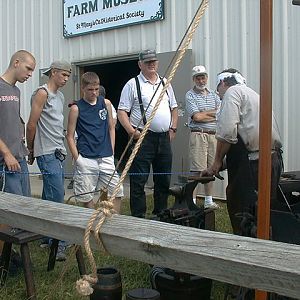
x: 94, y: 174
x: 202, y: 150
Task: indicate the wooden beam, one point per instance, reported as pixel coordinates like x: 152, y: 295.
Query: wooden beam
x: 253, y: 263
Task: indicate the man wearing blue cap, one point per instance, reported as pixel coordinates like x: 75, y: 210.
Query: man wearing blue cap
x: 139, y: 95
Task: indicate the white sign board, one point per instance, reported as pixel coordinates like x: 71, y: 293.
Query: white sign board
x: 81, y: 17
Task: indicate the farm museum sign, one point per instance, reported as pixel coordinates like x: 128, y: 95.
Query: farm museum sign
x: 81, y: 17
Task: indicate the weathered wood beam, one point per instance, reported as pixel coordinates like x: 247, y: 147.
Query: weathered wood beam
x: 254, y: 263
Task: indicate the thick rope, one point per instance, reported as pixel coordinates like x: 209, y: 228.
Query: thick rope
x: 181, y: 52
x: 84, y: 285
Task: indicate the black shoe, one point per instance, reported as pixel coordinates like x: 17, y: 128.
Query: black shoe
x: 15, y: 265
x: 16, y: 259
x: 70, y: 185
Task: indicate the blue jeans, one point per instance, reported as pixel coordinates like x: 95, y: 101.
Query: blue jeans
x: 156, y: 151
x: 17, y: 183
x: 52, y: 170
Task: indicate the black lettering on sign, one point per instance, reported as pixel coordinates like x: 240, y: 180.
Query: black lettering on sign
x: 111, y: 3
x: 84, y: 8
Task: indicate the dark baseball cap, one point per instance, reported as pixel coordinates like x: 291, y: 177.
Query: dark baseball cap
x: 148, y: 55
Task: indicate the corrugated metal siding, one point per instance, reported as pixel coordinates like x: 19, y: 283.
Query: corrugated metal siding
x: 228, y: 36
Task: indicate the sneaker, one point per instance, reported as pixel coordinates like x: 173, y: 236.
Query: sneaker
x: 212, y: 205
x: 61, y: 253
x: 45, y: 243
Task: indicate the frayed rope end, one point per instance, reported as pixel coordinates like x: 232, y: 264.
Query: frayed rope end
x: 84, y: 285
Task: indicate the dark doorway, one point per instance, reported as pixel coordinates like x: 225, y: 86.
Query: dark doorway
x: 113, y: 77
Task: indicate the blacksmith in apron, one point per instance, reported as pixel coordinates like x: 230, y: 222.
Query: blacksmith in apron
x: 238, y: 139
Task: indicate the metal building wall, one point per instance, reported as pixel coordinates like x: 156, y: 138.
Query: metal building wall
x: 228, y: 36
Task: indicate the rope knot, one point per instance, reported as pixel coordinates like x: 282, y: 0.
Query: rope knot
x: 107, y: 208
x: 84, y: 285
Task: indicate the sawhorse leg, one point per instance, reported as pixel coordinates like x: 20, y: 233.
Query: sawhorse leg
x: 79, y: 257
x: 52, y: 255
x: 27, y: 267
x: 4, y: 262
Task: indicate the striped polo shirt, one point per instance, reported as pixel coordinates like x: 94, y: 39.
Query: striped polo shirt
x: 196, y: 102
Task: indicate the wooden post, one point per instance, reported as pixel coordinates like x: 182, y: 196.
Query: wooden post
x: 265, y: 129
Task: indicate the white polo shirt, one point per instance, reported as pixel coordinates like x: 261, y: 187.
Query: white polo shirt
x: 129, y: 102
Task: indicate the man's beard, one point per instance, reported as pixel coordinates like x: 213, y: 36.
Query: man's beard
x: 200, y: 87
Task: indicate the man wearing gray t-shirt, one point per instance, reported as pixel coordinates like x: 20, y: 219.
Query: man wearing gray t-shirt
x: 13, y: 165
x: 12, y: 148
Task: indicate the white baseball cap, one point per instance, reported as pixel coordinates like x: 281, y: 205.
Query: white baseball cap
x: 199, y: 70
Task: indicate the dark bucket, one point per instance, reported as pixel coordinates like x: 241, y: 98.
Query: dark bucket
x: 109, y: 285
x: 142, y: 294
x: 179, y: 286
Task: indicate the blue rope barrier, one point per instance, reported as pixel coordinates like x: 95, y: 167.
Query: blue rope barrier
x: 98, y: 173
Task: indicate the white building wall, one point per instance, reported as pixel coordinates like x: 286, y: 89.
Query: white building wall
x: 228, y: 36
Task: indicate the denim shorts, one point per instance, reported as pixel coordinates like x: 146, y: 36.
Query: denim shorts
x: 17, y: 183
x: 52, y: 170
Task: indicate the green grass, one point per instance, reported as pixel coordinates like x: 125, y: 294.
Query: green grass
x: 60, y: 283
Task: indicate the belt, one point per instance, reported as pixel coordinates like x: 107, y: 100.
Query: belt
x: 152, y: 132
x: 204, y: 131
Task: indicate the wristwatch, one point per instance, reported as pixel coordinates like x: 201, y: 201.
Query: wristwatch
x: 173, y: 129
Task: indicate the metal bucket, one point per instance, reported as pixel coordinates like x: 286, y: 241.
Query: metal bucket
x: 143, y: 294
x: 109, y: 285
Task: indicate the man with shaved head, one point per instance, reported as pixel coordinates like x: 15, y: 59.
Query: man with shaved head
x: 12, y: 149
x: 13, y: 165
